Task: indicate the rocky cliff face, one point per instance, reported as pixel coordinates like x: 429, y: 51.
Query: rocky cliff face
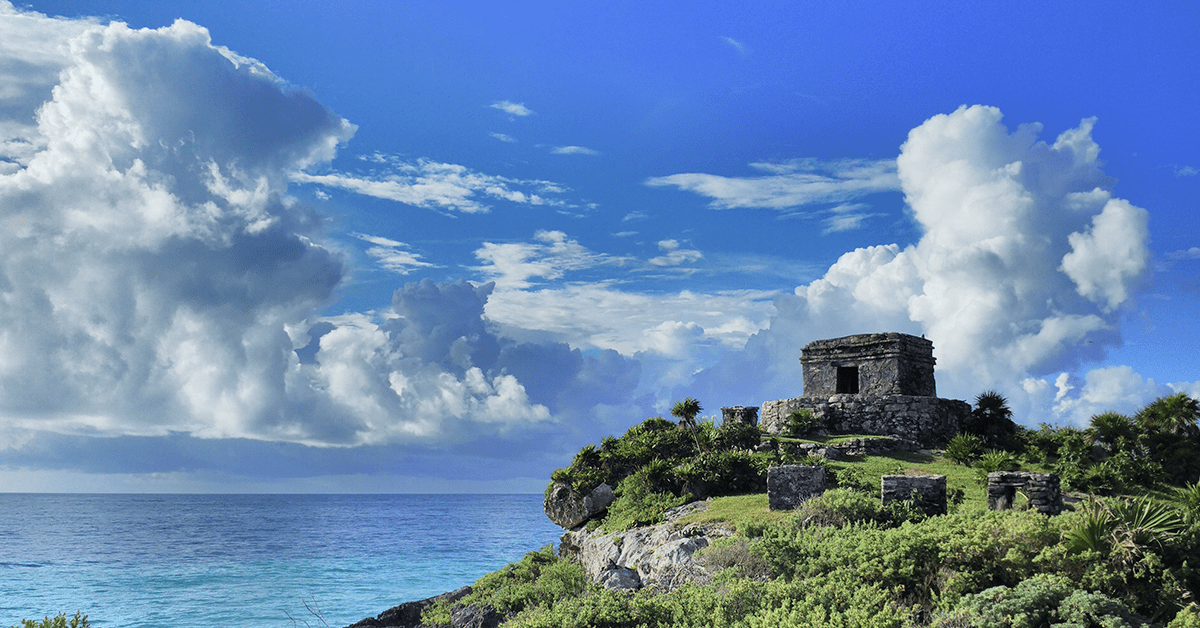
x: 661, y: 557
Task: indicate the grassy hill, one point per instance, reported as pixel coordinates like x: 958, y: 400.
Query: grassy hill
x: 1126, y: 553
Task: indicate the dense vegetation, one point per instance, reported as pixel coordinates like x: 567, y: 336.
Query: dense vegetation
x: 1125, y: 555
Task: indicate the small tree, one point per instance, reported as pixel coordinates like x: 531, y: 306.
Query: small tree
x: 686, y: 411
x: 992, y: 421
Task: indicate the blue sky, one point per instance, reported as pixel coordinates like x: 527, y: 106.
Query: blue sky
x: 439, y: 246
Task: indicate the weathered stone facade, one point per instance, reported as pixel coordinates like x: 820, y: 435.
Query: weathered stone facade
x: 869, y: 364
x: 1043, y: 490
x: 878, y: 384
x: 790, y: 484
x: 740, y: 414
x: 926, y: 492
x: 928, y: 421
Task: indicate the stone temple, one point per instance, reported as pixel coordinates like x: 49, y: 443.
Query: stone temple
x: 872, y: 384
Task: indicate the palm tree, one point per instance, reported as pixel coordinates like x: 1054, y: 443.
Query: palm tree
x: 687, y: 410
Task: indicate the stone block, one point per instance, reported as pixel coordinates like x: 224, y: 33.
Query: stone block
x: 747, y: 415
x: 790, y: 484
x: 927, y: 492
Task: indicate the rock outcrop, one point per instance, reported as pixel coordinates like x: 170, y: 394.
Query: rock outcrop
x: 568, y: 509
x: 661, y: 557
x: 408, y: 614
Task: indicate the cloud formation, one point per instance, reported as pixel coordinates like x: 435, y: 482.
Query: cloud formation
x: 512, y: 108
x: 1024, y: 259
x: 791, y: 184
x: 156, y: 278
x: 573, y: 150
x: 425, y: 183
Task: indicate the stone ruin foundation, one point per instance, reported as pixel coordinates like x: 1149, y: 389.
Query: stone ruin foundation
x: 790, y: 484
x: 747, y: 415
x: 879, y: 384
x: 926, y: 492
x: 1042, y: 489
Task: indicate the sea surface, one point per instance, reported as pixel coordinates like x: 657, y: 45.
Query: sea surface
x: 209, y: 561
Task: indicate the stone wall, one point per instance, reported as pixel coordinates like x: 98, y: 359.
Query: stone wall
x: 869, y: 364
x: 790, y: 484
x: 1042, y: 489
x: 740, y: 414
x: 927, y: 492
x: 929, y: 421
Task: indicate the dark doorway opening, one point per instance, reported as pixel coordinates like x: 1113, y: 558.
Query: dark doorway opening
x: 847, y: 380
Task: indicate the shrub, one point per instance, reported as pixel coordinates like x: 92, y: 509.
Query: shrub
x: 737, y: 435
x: 996, y: 460
x: 964, y: 449
x: 1043, y: 600
x: 838, y: 507
x: 800, y: 423
x: 638, y: 503
x: 991, y: 420
x: 59, y: 621
x: 539, y: 579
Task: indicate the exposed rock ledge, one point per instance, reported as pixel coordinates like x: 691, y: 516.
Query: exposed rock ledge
x: 659, y: 557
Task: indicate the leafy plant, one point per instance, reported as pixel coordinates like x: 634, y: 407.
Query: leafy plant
x: 800, y: 423
x: 58, y: 621
x: 686, y: 412
x: 964, y: 448
x: 996, y: 460
x: 991, y: 420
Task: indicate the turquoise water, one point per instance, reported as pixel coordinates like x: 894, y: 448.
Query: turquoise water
x: 183, y: 561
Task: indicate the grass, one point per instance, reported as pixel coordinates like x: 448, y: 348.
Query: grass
x: 737, y: 511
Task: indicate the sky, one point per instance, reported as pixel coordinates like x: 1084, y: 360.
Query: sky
x: 440, y: 246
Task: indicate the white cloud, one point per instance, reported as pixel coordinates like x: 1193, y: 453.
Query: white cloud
x: 846, y: 218
x: 791, y: 184
x: 503, y: 137
x: 513, y: 265
x: 1192, y: 253
x: 573, y: 150
x: 674, y: 256
x: 392, y: 256
x: 157, y: 279
x: 1186, y: 171
x: 512, y: 108
x: 424, y: 183
x: 1023, y: 257
x: 741, y: 48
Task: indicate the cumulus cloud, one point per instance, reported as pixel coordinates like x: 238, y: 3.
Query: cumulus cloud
x: 425, y: 183
x: 157, y: 280
x: 504, y: 137
x: 1025, y: 257
x: 791, y: 184
x: 512, y: 108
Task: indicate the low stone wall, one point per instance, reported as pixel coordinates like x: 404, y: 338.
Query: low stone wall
x: 852, y: 448
x: 929, y: 421
x: 927, y: 492
x: 1043, y: 490
x: 790, y: 484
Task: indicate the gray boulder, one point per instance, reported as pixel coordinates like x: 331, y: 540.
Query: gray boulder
x: 568, y: 509
x: 408, y: 614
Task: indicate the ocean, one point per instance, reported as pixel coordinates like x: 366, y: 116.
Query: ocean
x: 208, y: 561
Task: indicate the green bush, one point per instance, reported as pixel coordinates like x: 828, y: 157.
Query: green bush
x: 59, y: 621
x: 964, y: 449
x: 637, y: 503
x: 738, y: 435
x: 539, y: 579
x: 1043, y: 600
x: 800, y: 423
x: 838, y: 507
